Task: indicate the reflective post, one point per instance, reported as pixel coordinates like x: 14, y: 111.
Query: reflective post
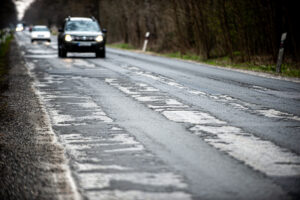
x: 280, y: 54
x: 146, y: 41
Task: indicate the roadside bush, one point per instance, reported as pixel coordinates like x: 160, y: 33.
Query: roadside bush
x: 4, y: 61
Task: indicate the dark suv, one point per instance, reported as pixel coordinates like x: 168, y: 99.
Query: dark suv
x: 80, y: 34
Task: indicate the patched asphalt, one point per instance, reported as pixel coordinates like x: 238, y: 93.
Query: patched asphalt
x: 136, y: 126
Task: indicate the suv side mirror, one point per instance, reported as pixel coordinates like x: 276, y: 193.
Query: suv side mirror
x: 104, y: 31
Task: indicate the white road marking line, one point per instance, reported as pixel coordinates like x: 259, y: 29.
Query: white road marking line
x: 148, y: 75
x: 167, y: 106
x: 259, y: 88
x: 260, y: 154
x: 194, y: 117
x: 42, y: 56
x: 135, y: 194
x: 80, y: 62
x: 89, y: 104
x: 102, y: 180
x: 88, y: 167
x: 67, y: 120
x: 69, y: 138
x: 238, y: 104
x: 173, y: 102
x: 127, y: 90
x: 40, y: 51
x: 116, y: 129
x: 278, y: 114
x: 120, y: 150
x: 96, y: 116
x: 149, y: 98
x: 123, y: 138
x: 59, y: 119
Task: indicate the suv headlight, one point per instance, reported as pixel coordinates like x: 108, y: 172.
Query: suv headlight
x: 99, y: 38
x: 68, y: 38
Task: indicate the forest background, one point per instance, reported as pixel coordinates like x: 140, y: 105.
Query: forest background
x: 233, y: 31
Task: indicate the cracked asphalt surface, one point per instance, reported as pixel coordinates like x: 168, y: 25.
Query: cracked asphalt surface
x: 136, y: 126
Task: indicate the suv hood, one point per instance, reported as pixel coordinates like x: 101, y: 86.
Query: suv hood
x: 81, y: 33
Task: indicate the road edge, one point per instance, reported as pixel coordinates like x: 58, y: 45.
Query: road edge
x: 260, y: 74
x: 73, y: 193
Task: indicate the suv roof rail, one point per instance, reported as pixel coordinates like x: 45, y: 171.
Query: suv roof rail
x: 93, y: 18
x: 69, y: 18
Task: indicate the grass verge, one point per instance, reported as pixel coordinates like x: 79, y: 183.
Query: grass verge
x: 4, y: 65
x: 121, y: 46
x: 288, y: 70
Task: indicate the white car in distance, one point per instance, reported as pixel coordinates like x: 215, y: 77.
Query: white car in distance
x: 40, y: 33
x: 19, y: 27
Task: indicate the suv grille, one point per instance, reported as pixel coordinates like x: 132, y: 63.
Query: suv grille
x: 84, y: 38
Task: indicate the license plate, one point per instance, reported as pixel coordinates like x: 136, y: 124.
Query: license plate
x: 40, y: 36
x: 84, y: 44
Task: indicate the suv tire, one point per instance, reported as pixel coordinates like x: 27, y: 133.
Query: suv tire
x: 61, y: 52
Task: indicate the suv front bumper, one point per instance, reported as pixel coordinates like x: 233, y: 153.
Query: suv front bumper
x: 83, y: 46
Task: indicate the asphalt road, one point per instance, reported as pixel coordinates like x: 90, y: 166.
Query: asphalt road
x: 138, y: 126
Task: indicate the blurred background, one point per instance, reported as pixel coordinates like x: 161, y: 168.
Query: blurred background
x: 232, y: 30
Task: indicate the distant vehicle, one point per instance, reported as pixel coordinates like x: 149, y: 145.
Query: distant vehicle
x: 40, y: 33
x: 80, y: 34
x: 19, y: 27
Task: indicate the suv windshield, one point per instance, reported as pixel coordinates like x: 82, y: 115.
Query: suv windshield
x: 40, y: 29
x: 82, y: 26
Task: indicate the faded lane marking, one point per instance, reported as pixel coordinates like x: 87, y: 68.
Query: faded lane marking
x: 83, y: 63
x: 278, y: 114
x: 130, y: 195
x: 236, y: 103
x: 102, y: 180
x: 86, y: 167
x: 78, y: 62
x: 194, y: 117
x: 262, y: 155
x: 42, y: 56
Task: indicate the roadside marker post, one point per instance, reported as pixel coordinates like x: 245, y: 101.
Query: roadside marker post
x: 146, y: 41
x: 280, y: 54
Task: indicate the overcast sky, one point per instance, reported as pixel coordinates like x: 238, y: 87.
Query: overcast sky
x: 21, y: 7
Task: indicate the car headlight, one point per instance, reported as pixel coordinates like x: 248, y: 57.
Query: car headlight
x: 19, y: 29
x: 99, y: 38
x: 68, y: 38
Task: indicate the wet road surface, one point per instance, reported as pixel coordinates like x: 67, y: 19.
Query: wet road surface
x: 137, y: 126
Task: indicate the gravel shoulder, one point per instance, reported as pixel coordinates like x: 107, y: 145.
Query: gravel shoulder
x: 32, y: 163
